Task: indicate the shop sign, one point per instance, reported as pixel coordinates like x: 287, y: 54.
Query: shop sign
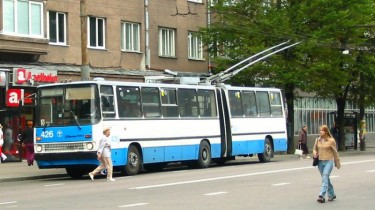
x: 3, y: 79
x: 28, y: 98
x: 13, y: 97
x: 27, y: 77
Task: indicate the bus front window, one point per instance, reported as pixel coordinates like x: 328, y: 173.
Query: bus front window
x: 68, y: 106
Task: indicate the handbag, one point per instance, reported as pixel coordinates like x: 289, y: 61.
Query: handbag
x: 315, y: 161
x: 298, y: 150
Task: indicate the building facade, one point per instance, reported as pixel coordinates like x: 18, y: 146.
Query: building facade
x: 47, y: 41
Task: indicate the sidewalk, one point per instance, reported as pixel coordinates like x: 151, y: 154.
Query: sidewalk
x: 19, y: 171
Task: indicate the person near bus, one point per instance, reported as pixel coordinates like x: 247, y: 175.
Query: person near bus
x: 27, y: 138
x: 325, y: 150
x: 302, y: 141
x: 8, y: 139
x: 104, y: 156
x: 2, y: 156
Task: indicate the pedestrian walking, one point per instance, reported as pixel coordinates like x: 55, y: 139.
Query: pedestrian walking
x: 104, y: 156
x: 302, y: 140
x: 2, y: 156
x: 27, y: 138
x: 325, y: 150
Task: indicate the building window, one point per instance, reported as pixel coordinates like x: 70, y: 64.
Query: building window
x: 130, y: 37
x: 57, y: 27
x: 195, y: 46
x: 96, y: 32
x: 24, y: 18
x: 167, y: 42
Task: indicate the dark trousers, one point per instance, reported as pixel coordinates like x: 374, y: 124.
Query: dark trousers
x: 304, y: 148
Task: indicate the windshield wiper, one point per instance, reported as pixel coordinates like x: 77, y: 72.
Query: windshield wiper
x: 75, y: 118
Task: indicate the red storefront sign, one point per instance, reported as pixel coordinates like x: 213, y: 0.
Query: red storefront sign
x: 13, y: 97
x: 27, y: 77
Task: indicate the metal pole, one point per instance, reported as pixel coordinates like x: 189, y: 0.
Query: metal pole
x: 85, y: 70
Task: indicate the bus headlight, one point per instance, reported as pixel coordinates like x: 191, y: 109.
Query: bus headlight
x: 39, y: 148
x: 90, y: 146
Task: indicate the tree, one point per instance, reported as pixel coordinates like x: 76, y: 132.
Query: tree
x: 243, y: 27
x: 334, y: 48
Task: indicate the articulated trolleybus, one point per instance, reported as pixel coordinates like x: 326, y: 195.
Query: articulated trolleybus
x: 153, y: 124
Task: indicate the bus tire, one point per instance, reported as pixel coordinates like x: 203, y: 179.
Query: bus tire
x: 133, y: 161
x: 204, y: 156
x: 75, y: 173
x: 268, y: 151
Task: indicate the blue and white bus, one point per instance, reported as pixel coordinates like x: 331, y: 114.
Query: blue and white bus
x: 154, y: 124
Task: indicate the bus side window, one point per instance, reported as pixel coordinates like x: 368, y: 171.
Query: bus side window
x: 187, y: 100
x: 107, y: 101
x: 150, y: 102
x: 169, y: 103
x: 235, y: 103
x: 249, y: 103
x: 263, y: 103
x: 207, y: 103
x: 275, y: 100
x: 129, y: 102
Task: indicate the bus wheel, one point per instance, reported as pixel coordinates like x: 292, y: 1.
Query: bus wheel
x: 75, y: 173
x: 268, y: 152
x: 204, y: 156
x: 133, y: 163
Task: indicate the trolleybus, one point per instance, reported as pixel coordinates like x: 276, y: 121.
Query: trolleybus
x: 153, y: 124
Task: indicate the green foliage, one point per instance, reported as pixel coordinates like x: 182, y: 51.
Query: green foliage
x: 244, y: 27
x: 327, y: 28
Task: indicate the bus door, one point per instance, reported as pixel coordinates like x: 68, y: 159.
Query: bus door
x: 225, y: 129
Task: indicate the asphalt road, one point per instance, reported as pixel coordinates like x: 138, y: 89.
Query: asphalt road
x: 241, y: 184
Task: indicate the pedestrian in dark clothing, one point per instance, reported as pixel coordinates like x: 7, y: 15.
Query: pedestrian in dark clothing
x: 335, y: 133
x: 302, y: 140
x: 27, y: 138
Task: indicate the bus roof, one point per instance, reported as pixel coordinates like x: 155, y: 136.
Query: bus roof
x: 123, y: 83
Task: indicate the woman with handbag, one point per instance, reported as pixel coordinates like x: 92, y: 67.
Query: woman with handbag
x: 325, y: 150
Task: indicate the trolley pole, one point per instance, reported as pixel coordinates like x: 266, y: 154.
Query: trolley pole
x: 85, y: 69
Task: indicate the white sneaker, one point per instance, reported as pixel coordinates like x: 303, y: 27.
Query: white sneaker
x: 91, y: 176
x: 308, y: 157
x: 111, y: 180
x: 4, y: 157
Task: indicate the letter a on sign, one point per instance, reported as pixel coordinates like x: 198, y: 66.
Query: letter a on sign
x: 13, y: 97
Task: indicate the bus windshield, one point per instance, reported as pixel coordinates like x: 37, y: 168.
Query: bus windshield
x: 68, y: 105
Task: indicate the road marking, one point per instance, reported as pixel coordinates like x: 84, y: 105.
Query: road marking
x: 132, y: 205
x: 216, y: 193
x: 52, y: 185
x: 219, y: 178
x: 360, y: 161
x: 235, y: 176
x: 281, y: 184
x: 370, y: 171
x: 9, y: 202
